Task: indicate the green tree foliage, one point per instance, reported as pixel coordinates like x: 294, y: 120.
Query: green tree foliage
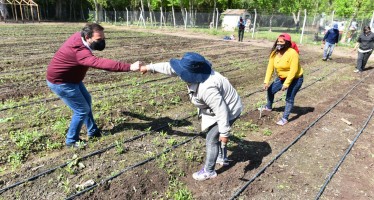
x: 70, y: 9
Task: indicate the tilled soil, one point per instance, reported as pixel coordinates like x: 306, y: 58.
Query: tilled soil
x: 267, y: 161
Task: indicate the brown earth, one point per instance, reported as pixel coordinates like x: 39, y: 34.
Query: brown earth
x: 298, y: 173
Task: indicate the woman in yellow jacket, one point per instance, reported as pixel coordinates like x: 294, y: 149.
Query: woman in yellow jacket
x: 285, y: 61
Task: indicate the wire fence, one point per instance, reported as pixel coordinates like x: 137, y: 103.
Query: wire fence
x: 305, y: 28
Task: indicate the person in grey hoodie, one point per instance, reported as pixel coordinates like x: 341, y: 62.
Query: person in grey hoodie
x: 365, y: 44
x: 330, y: 40
x: 216, y: 99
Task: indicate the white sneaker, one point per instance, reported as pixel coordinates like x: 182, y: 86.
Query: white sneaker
x: 356, y: 70
x: 204, y: 175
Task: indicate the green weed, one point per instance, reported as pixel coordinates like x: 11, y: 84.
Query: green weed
x: 119, y: 147
x: 267, y: 132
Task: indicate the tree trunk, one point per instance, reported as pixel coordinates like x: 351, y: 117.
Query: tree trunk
x: 58, y: 9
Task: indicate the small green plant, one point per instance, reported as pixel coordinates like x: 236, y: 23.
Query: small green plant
x: 267, y: 132
x: 60, y: 126
x: 71, y: 167
x: 53, y: 145
x: 177, y: 190
x: 66, y: 186
x: 119, y: 147
x: 250, y: 125
x: 15, y: 159
x: 171, y: 141
x: 190, y: 156
x: 163, y: 133
x: 152, y: 102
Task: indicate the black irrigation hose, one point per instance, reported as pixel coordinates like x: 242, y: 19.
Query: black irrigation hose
x: 132, y: 167
x: 238, y: 192
x: 343, y: 157
x: 86, y: 156
x: 143, y: 162
x: 82, y: 158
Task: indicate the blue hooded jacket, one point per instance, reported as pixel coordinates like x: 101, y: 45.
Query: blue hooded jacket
x: 332, y: 35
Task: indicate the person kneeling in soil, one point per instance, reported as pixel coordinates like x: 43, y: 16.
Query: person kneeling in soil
x: 218, y: 102
x: 67, y: 70
x: 285, y: 60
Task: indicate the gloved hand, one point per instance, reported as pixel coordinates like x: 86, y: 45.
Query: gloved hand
x: 135, y: 66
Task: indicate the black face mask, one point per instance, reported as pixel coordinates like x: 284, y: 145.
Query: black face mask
x: 279, y: 47
x: 98, y: 45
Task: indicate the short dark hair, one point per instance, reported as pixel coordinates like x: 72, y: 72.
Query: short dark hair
x: 89, y: 29
x: 367, y: 28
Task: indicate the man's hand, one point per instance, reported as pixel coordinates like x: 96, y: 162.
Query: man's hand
x: 284, y: 88
x: 135, y: 66
x: 143, y: 69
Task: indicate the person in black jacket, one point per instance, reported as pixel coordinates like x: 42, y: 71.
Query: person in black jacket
x: 365, y: 44
x: 241, y: 27
x: 330, y: 41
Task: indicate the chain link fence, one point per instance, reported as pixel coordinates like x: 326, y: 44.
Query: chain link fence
x: 304, y: 29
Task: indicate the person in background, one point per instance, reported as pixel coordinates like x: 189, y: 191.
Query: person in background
x: 330, y: 40
x: 351, y: 31
x: 365, y: 44
x: 218, y: 103
x: 241, y: 27
x: 285, y: 60
x: 66, y: 71
x: 248, y: 25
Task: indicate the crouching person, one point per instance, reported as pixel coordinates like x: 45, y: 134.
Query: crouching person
x: 216, y: 98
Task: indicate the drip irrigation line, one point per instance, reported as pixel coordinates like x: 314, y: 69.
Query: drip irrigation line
x: 132, y: 167
x: 262, y: 170
x: 343, y: 157
x: 82, y: 158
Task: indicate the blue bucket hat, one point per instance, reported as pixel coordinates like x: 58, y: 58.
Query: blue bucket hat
x: 335, y: 26
x: 192, y: 68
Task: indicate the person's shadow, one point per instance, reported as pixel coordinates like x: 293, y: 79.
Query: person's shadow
x: 251, y: 151
x: 368, y: 68
x: 154, y: 124
x: 299, y: 111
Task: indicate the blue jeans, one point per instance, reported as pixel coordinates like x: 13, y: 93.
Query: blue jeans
x: 290, y: 96
x: 212, y: 147
x: 76, y: 96
x: 327, y: 50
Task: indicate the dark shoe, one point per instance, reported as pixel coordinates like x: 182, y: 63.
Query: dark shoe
x: 330, y: 58
x: 79, y: 144
x: 324, y: 59
x: 96, y: 134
